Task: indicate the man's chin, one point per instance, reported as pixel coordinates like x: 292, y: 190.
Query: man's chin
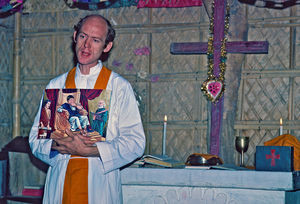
x: 87, y: 63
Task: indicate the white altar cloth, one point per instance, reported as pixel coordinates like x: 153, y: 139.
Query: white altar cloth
x: 189, y: 186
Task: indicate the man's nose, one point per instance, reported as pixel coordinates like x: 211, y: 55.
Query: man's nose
x: 87, y: 42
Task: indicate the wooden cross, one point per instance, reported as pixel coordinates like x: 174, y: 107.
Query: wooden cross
x: 251, y: 47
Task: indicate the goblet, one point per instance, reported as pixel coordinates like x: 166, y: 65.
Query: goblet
x: 241, y: 145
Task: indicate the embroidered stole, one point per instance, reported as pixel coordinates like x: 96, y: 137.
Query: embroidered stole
x: 76, y: 178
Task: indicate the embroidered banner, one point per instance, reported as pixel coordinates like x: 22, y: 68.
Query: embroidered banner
x: 100, y: 4
x: 168, y: 3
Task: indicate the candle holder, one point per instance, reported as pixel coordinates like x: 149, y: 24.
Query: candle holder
x: 241, y: 145
x: 163, y: 155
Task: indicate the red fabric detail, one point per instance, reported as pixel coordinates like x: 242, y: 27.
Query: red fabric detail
x: 272, y: 156
x: 52, y: 96
x: 168, y: 3
x: 88, y: 94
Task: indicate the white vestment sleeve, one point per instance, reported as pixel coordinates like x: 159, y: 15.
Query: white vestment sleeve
x: 125, y: 136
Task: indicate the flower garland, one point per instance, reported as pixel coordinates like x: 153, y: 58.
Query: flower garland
x: 214, y: 87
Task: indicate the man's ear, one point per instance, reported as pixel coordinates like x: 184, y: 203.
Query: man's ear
x: 74, y: 36
x: 108, y: 47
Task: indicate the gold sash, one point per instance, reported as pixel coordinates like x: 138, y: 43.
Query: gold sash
x: 76, y: 179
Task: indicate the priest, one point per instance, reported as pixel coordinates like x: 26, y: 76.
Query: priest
x: 85, y: 170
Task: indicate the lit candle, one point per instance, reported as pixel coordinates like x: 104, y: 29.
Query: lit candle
x: 281, y: 127
x: 164, y: 136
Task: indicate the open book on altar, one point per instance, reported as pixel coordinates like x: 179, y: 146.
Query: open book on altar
x: 79, y: 110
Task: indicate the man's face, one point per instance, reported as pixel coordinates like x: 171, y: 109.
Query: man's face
x: 48, y: 104
x: 71, y: 101
x: 101, y: 104
x: 90, y: 41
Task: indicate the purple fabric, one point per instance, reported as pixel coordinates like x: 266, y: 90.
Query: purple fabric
x: 4, y: 2
x: 217, y: 109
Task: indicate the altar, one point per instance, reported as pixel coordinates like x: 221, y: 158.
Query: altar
x: 189, y: 186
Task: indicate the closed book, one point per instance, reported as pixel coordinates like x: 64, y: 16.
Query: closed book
x: 274, y: 158
x: 33, y: 191
x: 165, y: 163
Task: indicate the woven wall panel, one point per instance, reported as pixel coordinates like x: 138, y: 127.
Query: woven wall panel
x: 260, y: 13
x: 5, y: 105
x: 265, y: 99
x: 6, y: 45
x: 180, y: 143
x: 164, y: 62
x: 296, y: 99
x: 297, y: 47
x: 44, y: 6
x: 67, y: 20
x: 5, y: 137
x: 123, y: 59
x: 64, y: 54
x: 141, y: 89
x: 33, y: 21
x: 37, y: 56
x: 6, y: 112
x: 296, y: 133
x: 30, y: 101
x: 127, y: 16
x: 279, y: 49
x: 7, y: 23
x: 178, y: 15
x: 175, y: 99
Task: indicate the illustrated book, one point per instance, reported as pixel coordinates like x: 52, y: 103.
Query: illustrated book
x: 78, y: 110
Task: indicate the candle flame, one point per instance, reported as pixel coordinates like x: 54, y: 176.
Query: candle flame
x: 280, y: 121
x: 165, y: 118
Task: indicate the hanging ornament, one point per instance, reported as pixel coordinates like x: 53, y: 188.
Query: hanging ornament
x: 11, y: 6
x: 90, y: 4
x: 214, y: 86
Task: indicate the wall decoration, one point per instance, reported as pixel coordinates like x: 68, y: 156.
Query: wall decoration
x: 129, y: 67
x: 272, y: 4
x: 116, y: 63
x: 11, y: 6
x: 99, y: 4
x: 154, y: 78
x: 142, y: 51
x: 169, y: 3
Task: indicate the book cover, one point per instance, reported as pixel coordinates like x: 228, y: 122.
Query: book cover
x: 274, y: 158
x: 158, y: 157
x: 33, y: 191
x: 197, y: 167
x: 170, y: 163
x: 78, y: 110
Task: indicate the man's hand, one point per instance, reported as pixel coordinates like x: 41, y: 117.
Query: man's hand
x: 75, y: 144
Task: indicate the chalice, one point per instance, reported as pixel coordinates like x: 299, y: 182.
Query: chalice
x: 241, y: 145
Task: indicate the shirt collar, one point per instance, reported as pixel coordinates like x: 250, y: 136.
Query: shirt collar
x: 94, y: 70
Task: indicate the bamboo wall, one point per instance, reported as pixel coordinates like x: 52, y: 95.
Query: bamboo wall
x: 6, y: 77
x: 259, y: 88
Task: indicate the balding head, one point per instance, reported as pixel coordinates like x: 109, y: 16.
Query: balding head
x: 110, y: 30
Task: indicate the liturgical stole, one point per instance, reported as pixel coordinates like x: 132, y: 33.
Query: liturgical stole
x: 76, y: 178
